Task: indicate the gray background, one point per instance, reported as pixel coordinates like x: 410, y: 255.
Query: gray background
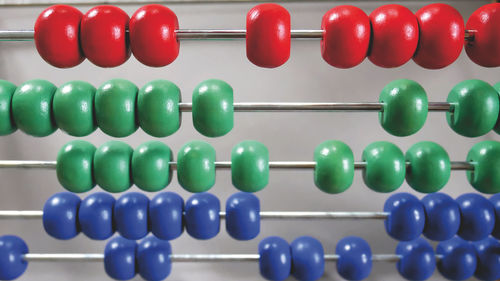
x: 289, y: 136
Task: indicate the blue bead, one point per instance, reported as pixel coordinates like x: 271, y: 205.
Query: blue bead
x: 12, y: 263
x: 153, y: 258
x: 275, y: 262
x: 478, y: 217
x: 243, y: 216
x: 495, y: 200
x: 131, y: 215
x: 60, y: 215
x: 488, y: 259
x: 459, y: 259
x: 418, y: 260
x: 166, y: 215
x: 119, y: 258
x: 442, y: 216
x: 308, y: 258
x: 202, y: 216
x: 406, y: 219
x: 355, y: 258
x: 96, y: 216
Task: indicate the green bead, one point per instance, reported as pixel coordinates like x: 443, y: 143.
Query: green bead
x: 497, y: 125
x: 429, y: 168
x: 485, y: 157
x: 196, y: 166
x: 475, y: 108
x: 385, y: 166
x: 112, y: 166
x: 250, y: 166
x: 150, y: 166
x: 74, y: 108
x: 158, y: 108
x: 334, y: 171
x: 405, y: 107
x: 213, y: 111
x: 32, y: 108
x: 74, y: 166
x: 7, y: 125
x: 115, y: 103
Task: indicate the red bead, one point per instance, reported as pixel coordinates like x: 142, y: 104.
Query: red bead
x: 152, y: 35
x: 57, y: 36
x: 103, y: 36
x: 268, y: 35
x: 485, y: 47
x: 346, y: 36
x: 441, y: 36
x: 394, y: 35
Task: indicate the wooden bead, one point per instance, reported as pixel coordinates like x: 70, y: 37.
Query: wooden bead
x: 485, y: 47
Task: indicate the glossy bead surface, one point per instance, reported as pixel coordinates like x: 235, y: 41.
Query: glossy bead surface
x: 213, y: 113
x: 485, y: 157
x: 429, y: 168
x: 355, y: 258
x: 406, y: 220
x: 488, y: 259
x: 166, y: 215
x: 32, y: 108
x: 60, y: 215
x: 334, y: 171
x: 150, y: 166
x: 152, y: 35
x: 394, y: 35
x: 385, y: 166
x: 478, y: 217
x: 12, y: 251
x: 346, y: 36
x: 441, y: 36
x: 112, y: 166
x: 268, y: 35
x: 495, y: 200
x: 250, y: 166
x: 243, y: 216
x: 95, y: 216
x: 308, y: 258
x: 275, y: 258
x: 158, y: 108
x: 485, y: 48
x: 153, y: 258
x: 115, y: 107
x: 475, y: 108
x: 442, y: 216
x: 7, y: 125
x: 103, y: 36
x: 404, y: 109
x: 418, y: 260
x: 74, y: 108
x: 57, y: 36
x: 202, y: 216
x: 458, y: 260
x: 196, y: 166
x: 119, y: 258
x: 74, y: 166
x: 131, y: 215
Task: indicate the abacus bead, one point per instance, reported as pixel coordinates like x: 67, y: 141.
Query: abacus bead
x: 308, y: 258
x: 385, y: 166
x: 488, y: 259
x: 166, y: 215
x: 495, y: 200
x: 346, y: 36
x: 275, y: 258
x: 120, y: 258
x: 74, y: 108
x: 478, y: 217
x: 115, y: 103
x: 131, y: 215
x: 458, y: 260
x: 158, y: 108
x: 334, y: 171
x: 250, y: 166
x: 406, y: 220
x: 418, y: 260
x: 152, y: 35
x: 12, y: 251
x: 74, y: 166
x: 202, y: 216
x: 441, y: 36
x: 475, y: 108
x: 153, y: 258
x: 196, y: 166
x: 355, y: 258
x: 243, y: 216
x: 442, y: 216
x: 112, y: 166
x: 213, y: 111
x: 103, y: 36
x: 429, y: 168
x: 60, y: 215
x: 32, y: 108
x: 485, y: 157
x: 268, y: 35
x: 485, y: 47
x: 497, y: 125
x: 95, y: 216
x: 150, y: 166
x: 7, y: 125
x: 394, y: 35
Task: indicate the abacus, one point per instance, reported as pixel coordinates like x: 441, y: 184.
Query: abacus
x: 289, y: 213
